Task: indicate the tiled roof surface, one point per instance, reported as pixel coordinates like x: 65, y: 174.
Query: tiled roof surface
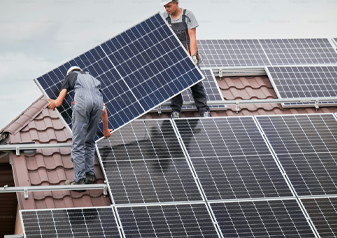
x: 48, y: 166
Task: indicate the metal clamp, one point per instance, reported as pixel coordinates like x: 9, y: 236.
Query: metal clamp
x: 25, y: 193
x: 316, y: 105
x: 220, y: 73
x: 159, y: 110
x: 237, y: 107
x: 105, y: 190
x: 17, y: 151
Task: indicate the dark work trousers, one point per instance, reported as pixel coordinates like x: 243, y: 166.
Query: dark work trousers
x: 199, y: 96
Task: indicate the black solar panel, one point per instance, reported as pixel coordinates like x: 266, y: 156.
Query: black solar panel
x: 231, y: 158
x: 144, y: 163
x: 282, y: 218
x: 323, y: 213
x: 212, y: 90
x: 306, y: 146
x: 188, y: 220
x: 304, y: 82
x: 299, y: 51
x: 226, y: 53
x: 139, y: 69
x: 86, y: 222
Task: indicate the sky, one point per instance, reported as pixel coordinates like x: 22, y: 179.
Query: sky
x: 37, y: 36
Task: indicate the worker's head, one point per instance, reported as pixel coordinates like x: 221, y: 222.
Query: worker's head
x: 73, y: 68
x: 170, y: 6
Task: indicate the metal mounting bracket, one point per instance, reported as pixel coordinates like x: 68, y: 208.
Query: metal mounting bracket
x: 316, y: 105
x: 159, y: 110
x: 17, y: 151
x: 220, y: 73
x: 237, y: 107
x: 105, y: 190
x: 25, y: 192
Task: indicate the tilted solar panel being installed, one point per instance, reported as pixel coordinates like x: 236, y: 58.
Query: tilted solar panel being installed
x: 265, y: 52
x: 304, y: 82
x: 139, y: 69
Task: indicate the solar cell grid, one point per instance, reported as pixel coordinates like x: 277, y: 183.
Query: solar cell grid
x: 305, y: 82
x: 299, y: 51
x: 224, y: 53
x: 306, y: 146
x: 139, y: 69
x: 189, y: 220
x: 231, y: 158
x: 144, y: 163
x: 87, y: 222
x: 282, y: 218
x: 323, y: 213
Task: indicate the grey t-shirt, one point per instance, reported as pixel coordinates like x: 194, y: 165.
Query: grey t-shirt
x: 190, y: 19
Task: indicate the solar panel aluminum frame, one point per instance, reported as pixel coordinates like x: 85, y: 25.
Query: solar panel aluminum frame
x: 71, y: 208
x: 143, y: 204
x: 210, y: 212
x: 266, y: 143
x: 297, y: 105
x: 334, y: 40
x: 59, y: 114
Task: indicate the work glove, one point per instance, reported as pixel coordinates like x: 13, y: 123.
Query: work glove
x: 195, y: 59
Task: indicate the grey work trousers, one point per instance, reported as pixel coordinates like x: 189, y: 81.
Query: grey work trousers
x: 86, y: 116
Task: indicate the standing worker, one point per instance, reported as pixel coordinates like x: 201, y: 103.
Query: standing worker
x: 88, y: 108
x: 184, y: 24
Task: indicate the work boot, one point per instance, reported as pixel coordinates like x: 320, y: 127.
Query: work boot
x: 89, y: 178
x: 206, y: 114
x: 175, y: 115
x: 80, y: 182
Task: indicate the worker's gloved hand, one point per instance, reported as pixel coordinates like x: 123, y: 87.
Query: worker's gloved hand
x: 52, y: 104
x: 107, y: 133
x: 195, y: 59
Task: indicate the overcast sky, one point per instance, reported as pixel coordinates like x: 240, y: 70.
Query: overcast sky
x: 37, y: 36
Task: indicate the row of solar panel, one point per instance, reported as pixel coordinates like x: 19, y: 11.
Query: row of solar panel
x: 260, y: 52
x: 146, y: 162
x: 282, y: 218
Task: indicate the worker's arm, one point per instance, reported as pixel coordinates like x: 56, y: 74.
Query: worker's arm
x: 193, y: 40
x: 104, y: 117
x: 58, y: 102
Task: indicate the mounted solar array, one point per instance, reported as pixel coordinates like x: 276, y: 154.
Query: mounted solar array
x: 226, y: 177
x: 138, y: 69
x: 334, y: 40
x: 213, y: 93
x: 304, y: 82
x: 266, y: 52
x: 306, y: 146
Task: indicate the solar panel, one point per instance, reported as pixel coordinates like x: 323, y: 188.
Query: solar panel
x: 144, y: 163
x: 187, y: 220
x: 139, y: 69
x: 334, y: 40
x: 323, y: 213
x: 83, y: 222
x: 212, y: 90
x: 304, y: 82
x: 282, y: 218
x: 306, y: 146
x: 266, y: 52
x: 299, y: 51
x: 231, y: 158
x: 226, y: 53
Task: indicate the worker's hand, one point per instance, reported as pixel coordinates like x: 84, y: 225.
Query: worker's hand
x: 52, y: 104
x: 195, y: 59
x: 107, y: 133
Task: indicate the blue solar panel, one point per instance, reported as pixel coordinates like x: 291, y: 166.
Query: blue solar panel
x: 139, y: 69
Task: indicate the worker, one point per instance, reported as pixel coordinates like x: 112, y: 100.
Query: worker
x: 184, y: 24
x: 88, y: 108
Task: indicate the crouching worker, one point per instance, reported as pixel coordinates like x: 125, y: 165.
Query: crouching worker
x: 88, y: 108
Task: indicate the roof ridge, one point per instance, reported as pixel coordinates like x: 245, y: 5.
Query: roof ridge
x: 26, y: 116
